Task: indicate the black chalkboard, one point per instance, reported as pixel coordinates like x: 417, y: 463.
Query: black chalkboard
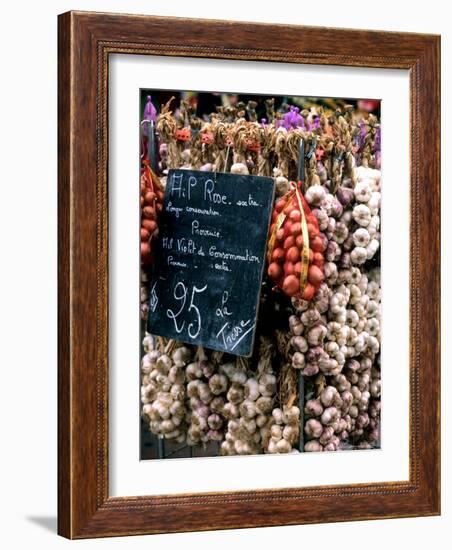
x: 210, y: 256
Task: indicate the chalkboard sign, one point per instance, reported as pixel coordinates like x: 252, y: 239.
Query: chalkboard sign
x: 210, y: 257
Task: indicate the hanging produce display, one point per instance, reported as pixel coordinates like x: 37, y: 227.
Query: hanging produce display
x: 151, y: 201
x: 295, y: 247
x: 312, y: 380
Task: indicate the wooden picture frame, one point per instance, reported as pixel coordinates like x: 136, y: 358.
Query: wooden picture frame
x: 85, y: 42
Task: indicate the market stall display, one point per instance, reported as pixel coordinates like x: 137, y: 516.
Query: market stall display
x: 312, y: 382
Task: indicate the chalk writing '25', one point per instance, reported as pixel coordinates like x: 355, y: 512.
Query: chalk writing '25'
x: 180, y: 294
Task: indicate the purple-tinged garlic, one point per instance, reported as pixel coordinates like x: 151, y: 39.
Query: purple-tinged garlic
x: 329, y: 366
x: 333, y: 252
x: 330, y: 396
x: 345, y: 195
x: 330, y: 272
x: 299, y: 304
x: 299, y: 343
x: 313, y: 428
x: 331, y: 206
x: 313, y: 407
x: 329, y: 415
x: 329, y: 231
x: 316, y: 335
x: 296, y: 326
x: 298, y: 360
x: 340, y: 232
x: 326, y: 435
x: 333, y: 445
x: 322, y: 218
x: 313, y: 446
x: 310, y: 317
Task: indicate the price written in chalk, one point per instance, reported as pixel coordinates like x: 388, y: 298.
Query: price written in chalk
x: 180, y: 294
x: 210, y: 258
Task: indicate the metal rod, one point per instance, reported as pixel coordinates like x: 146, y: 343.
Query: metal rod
x: 301, y: 407
x: 226, y: 159
x: 152, y: 151
x: 181, y: 448
x: 301, y: 172
x: 161, y: 447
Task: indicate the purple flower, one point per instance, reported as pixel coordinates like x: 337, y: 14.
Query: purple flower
x: 150, y: 112
x: 292, y: 119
